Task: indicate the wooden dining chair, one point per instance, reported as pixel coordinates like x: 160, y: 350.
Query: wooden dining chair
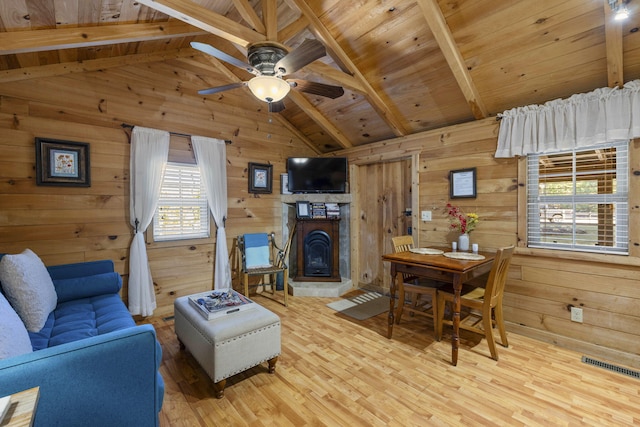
x: 484, y: 304
x: 418, y: 288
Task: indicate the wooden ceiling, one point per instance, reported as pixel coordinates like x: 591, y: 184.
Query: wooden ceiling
x: 406, y: 65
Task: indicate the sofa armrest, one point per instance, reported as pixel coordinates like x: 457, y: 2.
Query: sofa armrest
x: 80, y: 269
x: 107, y: 380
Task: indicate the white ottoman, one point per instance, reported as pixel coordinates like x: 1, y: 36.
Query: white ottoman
x: 230, y: 344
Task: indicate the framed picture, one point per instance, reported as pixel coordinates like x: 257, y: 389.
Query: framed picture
x: 260, y: 178
x: 462, y: 183
x: 62, y: 163
x: 303, y: 210
x: 284, y: 183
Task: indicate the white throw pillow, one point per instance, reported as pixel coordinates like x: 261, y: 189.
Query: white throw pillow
x: 29, y: 288
x: 14, y: 338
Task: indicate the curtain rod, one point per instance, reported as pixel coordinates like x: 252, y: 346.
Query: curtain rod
x: 186, y: 135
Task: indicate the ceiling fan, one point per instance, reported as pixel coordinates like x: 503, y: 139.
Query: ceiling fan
x: 270, y: 62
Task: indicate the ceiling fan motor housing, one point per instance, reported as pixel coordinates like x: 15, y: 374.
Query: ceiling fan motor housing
x: 265, y: 56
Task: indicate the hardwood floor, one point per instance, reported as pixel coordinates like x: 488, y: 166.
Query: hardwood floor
x: 336, y: 371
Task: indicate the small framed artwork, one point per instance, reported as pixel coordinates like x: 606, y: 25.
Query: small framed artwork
x: 62, y: 163
x: 462, y: 183
x: 260, y: 178
x: 303, y: 210
x: 284, y: 183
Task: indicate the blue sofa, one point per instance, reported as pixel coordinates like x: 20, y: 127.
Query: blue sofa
x: 93, y: 365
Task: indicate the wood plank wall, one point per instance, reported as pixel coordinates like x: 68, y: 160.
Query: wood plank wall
x: 542, y: 284
x: 78, y: 224
x: 66, y: 224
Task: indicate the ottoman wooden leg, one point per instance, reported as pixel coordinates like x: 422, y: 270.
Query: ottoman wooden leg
x: 272, y: 365
x: 219, y: 388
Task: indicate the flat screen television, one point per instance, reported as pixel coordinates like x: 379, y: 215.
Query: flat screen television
x: 317, y: 174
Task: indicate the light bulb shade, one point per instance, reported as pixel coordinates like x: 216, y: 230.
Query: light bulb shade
x: 268, y: 88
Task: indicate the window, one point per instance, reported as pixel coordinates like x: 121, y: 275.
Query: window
x: 182, y: 211
x: 577, y: 200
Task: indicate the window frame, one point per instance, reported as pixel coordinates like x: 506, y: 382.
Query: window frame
x: 621, y: 243
x: 156, y: 238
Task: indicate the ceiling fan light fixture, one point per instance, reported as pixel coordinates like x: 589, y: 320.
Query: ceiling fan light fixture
x: 268, y: 88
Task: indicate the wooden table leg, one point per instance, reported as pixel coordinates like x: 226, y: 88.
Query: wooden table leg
x: 392, y: 300
x: 455, y: 338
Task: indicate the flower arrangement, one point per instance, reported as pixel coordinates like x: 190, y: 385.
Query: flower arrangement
x: 464, y: 223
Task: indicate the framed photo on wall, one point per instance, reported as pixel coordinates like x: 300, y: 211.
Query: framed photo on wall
x: 62, y: 163
x: 260, y: 178
x: 462, y: 183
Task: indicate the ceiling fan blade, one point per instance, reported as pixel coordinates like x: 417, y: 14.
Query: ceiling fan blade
x: 306, y: 53
x: 217, y: 89
x: 210, y: 50
x: 320, y: 89
x: 276, y: 107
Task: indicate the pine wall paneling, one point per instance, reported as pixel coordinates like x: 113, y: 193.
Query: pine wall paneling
x: 66, y: 224
x: 542, y: 284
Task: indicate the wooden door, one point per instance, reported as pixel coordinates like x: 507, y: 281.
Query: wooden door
x: 384, y: 195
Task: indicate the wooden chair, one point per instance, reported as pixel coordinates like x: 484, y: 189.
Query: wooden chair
x: 260, y: 256
x: 418, y: 288
x: 483, y: 303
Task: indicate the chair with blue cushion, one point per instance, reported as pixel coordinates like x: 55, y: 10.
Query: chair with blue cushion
x: 262, y: 257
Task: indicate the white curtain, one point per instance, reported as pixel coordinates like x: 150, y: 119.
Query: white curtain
x: 211, y: 156
x: 149, y: 153
x: 604, y: 115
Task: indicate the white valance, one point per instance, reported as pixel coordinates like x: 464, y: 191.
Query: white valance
x: 604, y: 115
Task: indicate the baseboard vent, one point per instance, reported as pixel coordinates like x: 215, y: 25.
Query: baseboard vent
x: 610, y: 367
x: 166, y: 319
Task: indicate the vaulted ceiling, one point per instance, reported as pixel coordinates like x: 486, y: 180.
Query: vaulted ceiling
x: 406, y: 65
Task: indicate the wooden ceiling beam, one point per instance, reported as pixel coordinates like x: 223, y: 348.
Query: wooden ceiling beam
x: 205, y: 19
x: 67, y: 38
x: 317, y: 117
x: 291, y: 30
x: 249, y: 14
x: 270, y: 16
x: 64, y: 68
x: 441, y: 32
x: 378, y: 104
x: 613, y: 43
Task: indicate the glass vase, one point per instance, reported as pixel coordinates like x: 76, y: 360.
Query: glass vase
x: 463, y: 242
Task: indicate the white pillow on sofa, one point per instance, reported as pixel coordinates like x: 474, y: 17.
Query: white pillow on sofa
x: 14, y: 338
x: 29, y: 288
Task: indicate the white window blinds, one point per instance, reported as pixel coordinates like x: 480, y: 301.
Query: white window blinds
x: 578, y: 199
x: 182, y: 211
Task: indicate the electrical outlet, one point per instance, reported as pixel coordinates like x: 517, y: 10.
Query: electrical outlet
x: 576, y: 314
x: 426, y: 215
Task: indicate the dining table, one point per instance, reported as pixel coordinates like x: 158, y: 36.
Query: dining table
x: 439, y: 264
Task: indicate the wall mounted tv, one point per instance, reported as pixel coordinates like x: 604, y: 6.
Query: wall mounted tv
x: 317, y: 174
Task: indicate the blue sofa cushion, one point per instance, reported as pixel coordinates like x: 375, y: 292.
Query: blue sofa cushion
x: 82, y: 318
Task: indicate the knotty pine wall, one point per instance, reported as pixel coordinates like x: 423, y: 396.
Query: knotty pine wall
x: 66, y: 224
x: 542, y: 284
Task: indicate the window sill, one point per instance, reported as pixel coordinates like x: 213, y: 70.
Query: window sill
x: 580, y: 256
